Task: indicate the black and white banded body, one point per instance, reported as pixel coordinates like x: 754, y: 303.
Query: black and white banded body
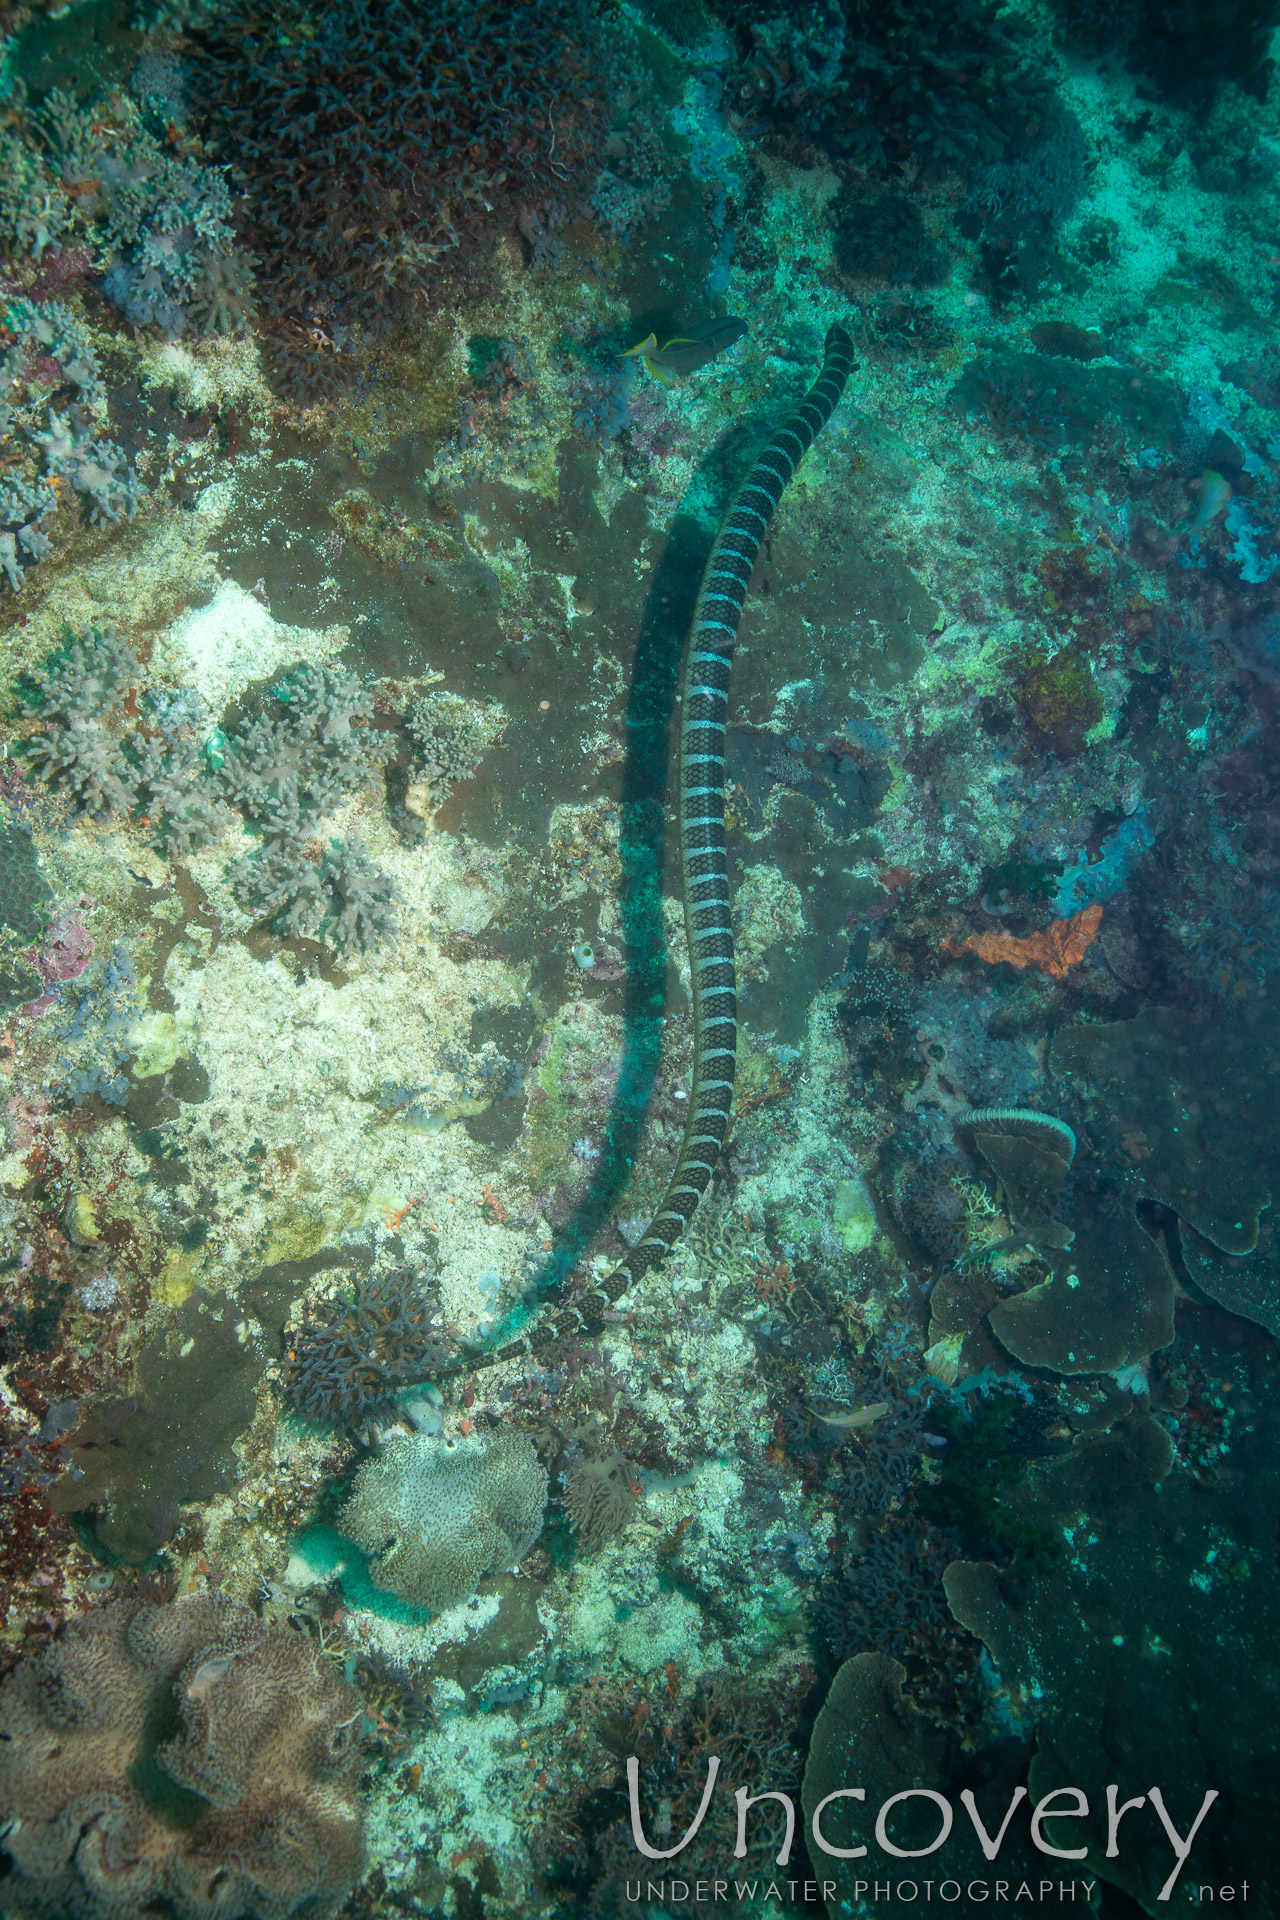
x: 708, y: 666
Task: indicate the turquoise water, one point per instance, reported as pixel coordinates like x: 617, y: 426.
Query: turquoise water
x: 390, y: 1524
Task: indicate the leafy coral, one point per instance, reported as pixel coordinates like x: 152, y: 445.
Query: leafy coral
x: 384, y: 144
x: 347, y: 1361
x: 156, y: 1753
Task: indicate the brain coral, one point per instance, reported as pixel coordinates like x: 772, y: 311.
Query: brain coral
x: 183, y: 1760
x: 437, y: 1515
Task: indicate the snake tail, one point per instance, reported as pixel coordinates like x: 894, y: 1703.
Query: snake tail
x: 708, y: 665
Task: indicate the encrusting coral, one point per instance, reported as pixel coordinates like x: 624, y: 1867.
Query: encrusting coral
x: 437, y: 1515
x: 1062, y: 945
x: 184, y: 1754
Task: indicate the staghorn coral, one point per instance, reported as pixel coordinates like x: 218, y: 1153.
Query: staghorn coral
x: 184, y: 1754
x: 437, y: 1515
x: 347, y: 1362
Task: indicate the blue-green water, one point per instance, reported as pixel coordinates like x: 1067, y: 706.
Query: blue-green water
x: 376, y: 380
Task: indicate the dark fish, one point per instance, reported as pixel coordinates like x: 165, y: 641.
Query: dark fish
x: 685, y: 351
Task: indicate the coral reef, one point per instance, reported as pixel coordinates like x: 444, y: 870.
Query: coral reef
x: 311, y: 1297
x: 880, y: 84
x: 437, y: 1515
x: 154, y: 223
x: 182, y: 1753
x: 347, y: 1361
x: 367, y: 185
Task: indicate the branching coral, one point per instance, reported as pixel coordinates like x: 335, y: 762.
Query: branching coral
x: 46, y: 351
x: 294, y: 761
x: 185, y: 813
x: 284, y: 770
x: 183, y: 1753
x: 346, y: 1362
x: 437, y: 1515
x: 74, y: 693
x: 344, y: 899
x: 454, y: 736
x: 157, y: 225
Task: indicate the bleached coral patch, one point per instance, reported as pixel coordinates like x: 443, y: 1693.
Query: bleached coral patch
x: 222, y: 647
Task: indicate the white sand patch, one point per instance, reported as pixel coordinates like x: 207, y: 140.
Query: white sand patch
x: 233, y: 640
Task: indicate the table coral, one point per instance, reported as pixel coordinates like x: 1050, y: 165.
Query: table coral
x: 184, y: 1753
x: 1061, y: 946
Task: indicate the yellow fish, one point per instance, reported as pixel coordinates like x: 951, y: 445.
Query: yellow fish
x: 685, y: 351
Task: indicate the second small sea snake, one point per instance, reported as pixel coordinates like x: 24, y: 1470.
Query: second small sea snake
x: 708, y: 664
x: 1026, y: 1121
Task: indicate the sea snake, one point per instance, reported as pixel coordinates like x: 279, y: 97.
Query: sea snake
x: 704, y: 698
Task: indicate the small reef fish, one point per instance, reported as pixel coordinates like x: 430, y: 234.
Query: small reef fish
x: 1052, y: 1234
x: 1215, y: 498
x: 856, y: 1417
x: 686, y: 351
